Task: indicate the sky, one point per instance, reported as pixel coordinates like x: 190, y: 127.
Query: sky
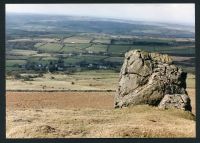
x: 170, y: 13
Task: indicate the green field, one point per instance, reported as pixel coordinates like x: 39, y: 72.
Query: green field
x: 83, y: 58
x: 16, y: 57
x: 74, y: 48
x: 180, y: 50
x: 49, y: 59
x: 96, y: 48
x: 19, y: 52
x: 102, y: 41
x: 50, y: 47
x: 37, y: 45
x: 42, y: 60
x: 10, y: 63
x: 115, y: 59
x: 77, y: 39
x: 118, y: 49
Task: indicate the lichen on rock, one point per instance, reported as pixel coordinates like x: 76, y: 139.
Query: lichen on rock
x: 147, y: 78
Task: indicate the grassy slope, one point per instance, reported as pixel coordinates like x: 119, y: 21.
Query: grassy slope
x: 139, y: 121
x: 88, y: 80
x: 86, y: 121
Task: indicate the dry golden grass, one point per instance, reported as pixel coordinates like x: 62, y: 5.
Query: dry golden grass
x: 82, y: 81
x: 192, y: 95
x: 139, y: 121
x: 89, y: 80
x: 91, y: 114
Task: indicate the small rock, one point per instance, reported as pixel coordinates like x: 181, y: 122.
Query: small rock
x: 181, y: 101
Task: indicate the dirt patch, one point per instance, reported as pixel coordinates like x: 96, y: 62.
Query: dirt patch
x: 60, y: 100
x: 66, y: 100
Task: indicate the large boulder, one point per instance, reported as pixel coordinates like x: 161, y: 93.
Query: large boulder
x: 151, y: 78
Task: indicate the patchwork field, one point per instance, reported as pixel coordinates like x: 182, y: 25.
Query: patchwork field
x: 75, y: 49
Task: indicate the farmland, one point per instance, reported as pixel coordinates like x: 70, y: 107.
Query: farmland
x: 49, y: 47
x: 103, y: 54
x: 77, y: 43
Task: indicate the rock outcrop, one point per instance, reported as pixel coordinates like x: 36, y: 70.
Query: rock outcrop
x: 151, y: 78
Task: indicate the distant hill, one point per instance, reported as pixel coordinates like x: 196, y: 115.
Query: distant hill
x: 59, y: 23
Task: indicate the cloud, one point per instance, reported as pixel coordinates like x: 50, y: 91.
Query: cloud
x: 175, y: 13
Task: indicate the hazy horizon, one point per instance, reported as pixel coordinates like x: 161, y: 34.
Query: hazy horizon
x: 161, y: 13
